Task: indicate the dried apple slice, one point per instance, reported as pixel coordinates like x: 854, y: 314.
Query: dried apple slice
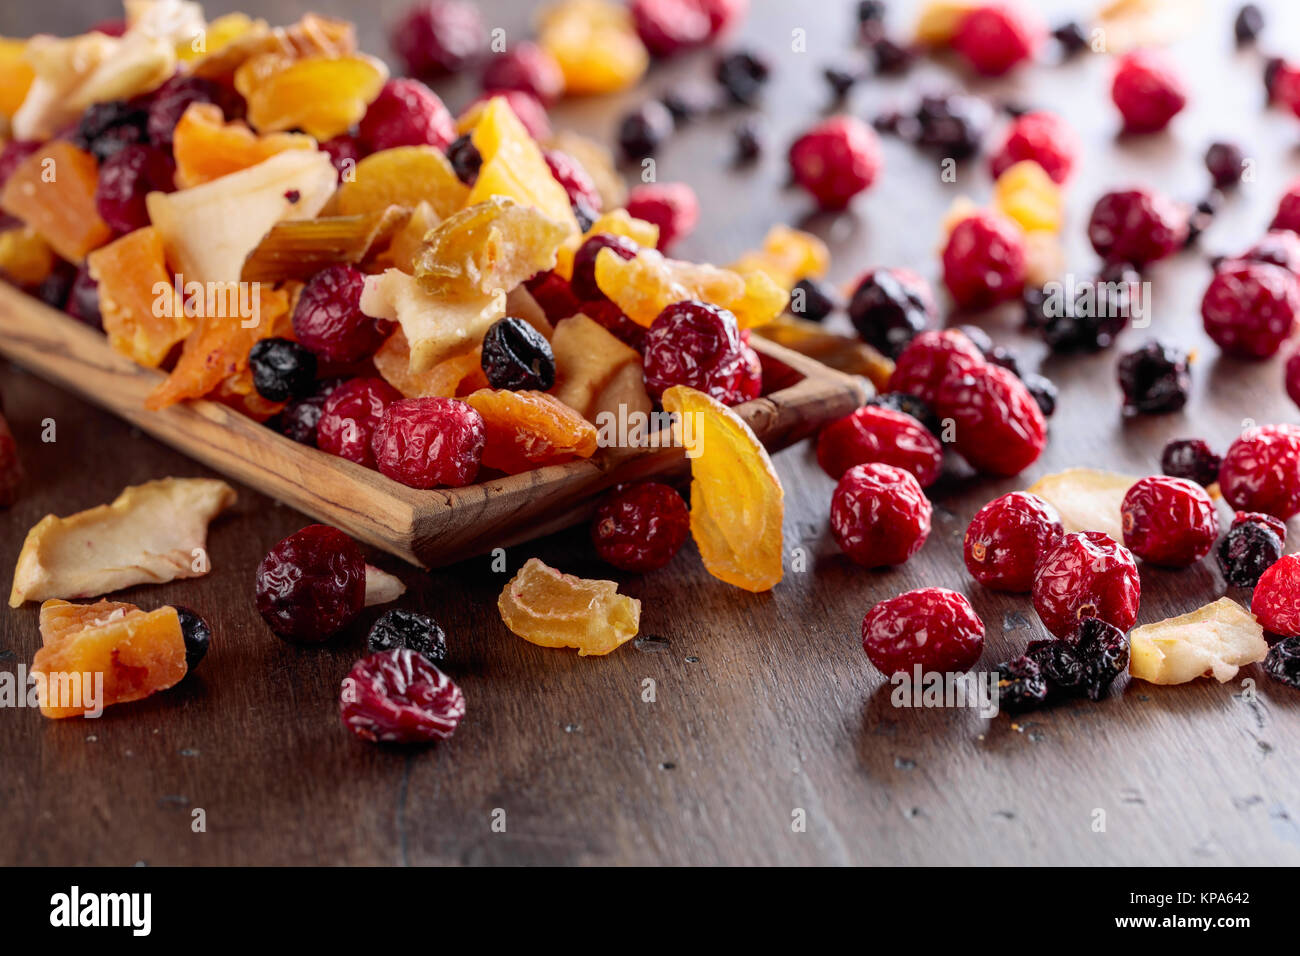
x: 458, y: 375
x: 1213, y: 641
x: 300, y: 248
x: 150, y: 534
x: 551, y: 609
x: 436, y: 328
x: 1087, y: 498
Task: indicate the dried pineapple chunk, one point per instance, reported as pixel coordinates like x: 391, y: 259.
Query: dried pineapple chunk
x: 551, y: 609
x: 1213, y: 641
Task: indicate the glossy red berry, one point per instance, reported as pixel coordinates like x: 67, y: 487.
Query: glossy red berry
x: 569, y: 173
x: 670, y: 26
x: 406, y: 113
x: 640, y: 527
x: 1086, y: 575
x: 1250, y: 308
x: 528, y: 67
x: 723, y: 14
x: 1276, y: 601
x: 1261, y: 471
x: 931, y: 359
x: 1169, y: 521
x: 439, y: 36
x: 554, y: 294
x: 695, y: 344
x: 429, y: 442
x: 311, y: 585
x: 350, y: 416
x: 1147, y: 90
x: 835, y: 160
x: 400, y: 697
x: 999, y: 428
x: 344, y: 152
x: 751, y: 380
x: 1279, y: 247
x: 931, y: 628
x: 880, y: 434
x: 168, y: 104
x: 1288, y: 208
x: 994, y: 37
x: 1291, y: 376
x: 584, y: 263
x: 984, y: 260
x: 125, y: 179
x: 1006, y: 538
x: 879, y: 515
x: 1136, y: 226
x: 328, y: 317
x: 1043, y: 137
x: 670, y: 206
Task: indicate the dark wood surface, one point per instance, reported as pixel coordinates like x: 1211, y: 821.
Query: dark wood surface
x: 764, y: 705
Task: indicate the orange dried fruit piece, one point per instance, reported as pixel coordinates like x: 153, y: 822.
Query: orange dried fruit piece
x: 132, y: 272
x: 616, y: 222
x: 25, y: 258
x: 299, y: 248
x: 135, y: 653
x: 551, y: 609
x: 16, y: 75
x: 644, y: 285
x: 787, y: 255
x: 458, y: 375
x: 53, y: 192
x: 527, y: 430
x: 513, y: 166
x: 595, y: 43
x: 218, y: 35
x: 402, y: 176
x: 323, y: 96
x: 313, y: 35
x: 206, y: 147
x: 1025, y: 194
x: 737, y: 502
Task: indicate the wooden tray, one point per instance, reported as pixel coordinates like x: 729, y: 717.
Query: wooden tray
x: 426, y: 528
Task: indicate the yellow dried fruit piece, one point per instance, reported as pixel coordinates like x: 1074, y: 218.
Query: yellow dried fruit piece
x: 761, y: 302
x: 218, y: 35
x: 1027, y: 195
x: 551, y: 609
x: 787, y: 256
x: 322, y: 96
x: 25, y: 258
x: 16, y: 75
x: 436, y: 328
x: 1213, y: 641
x: 616, y: 222
x: 513, y: 166
x: 403, y: 176
x: 938, y: 21
x: 737, y: 502
x: 300, y: 248
x: 595, y: 44
x: 313, y: 35
x: 1088, y: 499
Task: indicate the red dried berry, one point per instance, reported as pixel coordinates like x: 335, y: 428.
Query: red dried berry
x: 439, y: 36
x: 1272, y: 522
x: 932, y: 358
x: 612, y: 319
x: 11, y: 469
x: 406, y: 113
x: 1147, y: 90
x: 835, y: 160
x: 1291, y: 376
x: 931, y: 628
x: 1276, y: 601
x: 312, y: 584
x: 400, y: 697
x: 670, y: 206
x: 1006, y: 538
x: 751, y: 381
x: 344, y: 152
x: 873, y: 433
x: 1086, y: 575
x: 568, y: 172
x: 994, y: 37
x: 1136, y: 226
x: 328, y: 317
x: 299, y: 419
x: 640, y: 527
x: 351, y: 414
x: 998, y: 427
x: 1282, y: 81
x: 554, y: 294
x: 1250, y: 308
x: 695, y: 344
x: 1042, y: 137
x: 527, y: 108
x: 670, y: 26
x: 429, y: 442
x: 879, y: 515
x: 125, y: 179
x: 723, y: 14
x: 168, y: 104
x: 12, y: 155
x: 984, y: 260
x: 527, y: 67
x: 584, y: 263
x: 1288, y: 210
x: 1261, y: 471
x: 1169, y: 521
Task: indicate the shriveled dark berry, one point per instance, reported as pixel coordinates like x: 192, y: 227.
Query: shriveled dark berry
x: 1044, y: 392
x: 891, y: 56
x: 409, y: 629
x: 106, y: 127
x: 465, y: 159
x: 810, y: 299
x: 1071, y: 37
x: 953, y: 125
x: 1283, y: 662
x: 1007, y: 358
x: 912, y: 405
x: 311, y: 585
x: 125, y: 179
x: 889, y: 308
x: 57, y: 286
x: 697, y: 344
x: 1249, y: 24
x: 841, y: 79
x: 282, y: 369
x: 83, y: 300
x: 748, y: 136
x: 1225, y: 163
x: 871, y: 11
x: 1246, y: 552
x: 1021, y: 685
x: 1061, y: 665
x: 642, y: 131
x: 1101, y: 310
x: 518, y: 357
x: 1104, y: 650
x: 197, y: 636
x: 743, y: 74
x: 1191, y: 458
x: 298, y: 420
x: 690, y: 101
x: 1155, y: 379
x: 168, y: 104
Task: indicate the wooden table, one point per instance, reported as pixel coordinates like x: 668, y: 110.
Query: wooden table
x: 763, y: 705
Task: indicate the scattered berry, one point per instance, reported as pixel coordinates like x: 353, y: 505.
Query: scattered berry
x: 439, y: 36
x: 695, y: 344
x: 1022, y: 685
x: 1155, y: 379
x: 1006, y: 538
x: 125, y: 178
x: 527, y: 67
x: 1272, y: 522
x: 889, y: 307
x: 1250, y: 308
x: 108, y: 126
x: 670, y: 26
x: 1136, y: 226
x: 875, y: 434
x: 312, y: 584
x: 350, y: 416
x: 1261, y: 471
x: 569, y: 173
x: 1283, y: 662
x: 1249, y: 24
x: 406, y: 113
x: 642, y: 131
x: 835, y: 160
x: 1275, y: 602
x: 743, y: 75
x: 1044, y: 392
x: 400, y: 697
x: 879, y: 515
x: 640, y: 527
x: 1169, y: 521
x: 1071, y: 37
x: 813, y: 300
x: 299, y: 419
x: 196, y: 634
x: 841, y: 79
x: 399, y: 628
x: 723, y: 14
x: 1288, y: 207
x: 984, y: 260
x: 931, y: 628
x: 1247, y: 551
x: 83, y: 300
x: 1086, y: 575
x: 518, y: 357
x: 999, y: 428
x: 1192, y: 459
x: 1147, y: 90
x: 429, y: 442
x: 670, y: 206
x: 1099, y: 313
x: 1279, y: 247
x: 466, y: 160
x: 891, y: 57
x: 994, y: 37
x: 690, y: 101
x: 328, y: 318
x: 168, y: 104
x: 584, y: 263
x: 282, y: 369
x: 527, y: 108
x: 1226, y: 162
x: 918, y: 408
x: 931, y: 359
x: 1084, y: 663
x: 748, y: 136
x: 1042, y: 137
x: 953, y: 125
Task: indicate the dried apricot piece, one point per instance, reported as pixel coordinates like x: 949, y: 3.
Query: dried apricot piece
x: 16, y: 75
x: 787, y: 256
x: 131, y: 272
x: 53, y: 191
x: 737, y: 502
x: 402, y: 176
x: 206, y: 147
x: 551, y: 609
x: 595, y: 43
x: 645, y: 285
x: 25, y: 258
x: 323, y: 96
x: 617, y: 222
x: 458, y: 375
x: 513, y: 166
x: 527, y: 430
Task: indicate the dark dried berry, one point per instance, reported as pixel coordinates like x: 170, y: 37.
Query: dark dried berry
x: 1246, y: 552
x: 1021, y: 685
x: 411, y: 630
x: 168, y: 104
x: 1104, y: 650
x: 298, y: 420
x: 871, y: 11
x: 465, y: 159
x: 889, y: 308
x: 697, y: 344
x: 312, y: 584
x: 1071, y: 37
x: 1061, y: 665
x: 57, y: 286
x: 1044, y: 392
x: 1249, y: 24
x: 841, y: 79
x: 642, y: 131
x: 810, y: 299
x: 1191, y: 458
x: 1155, y: 379
x: 83, y: 300
x: 125, y: 179
x: 518, y: 357
x: 1100, y: 311
x: 282, y: 369
x: 197, y: 636
x: 891, y: 56
x: 749, y: 140
x: 689, y: 101
x: 583, y: 282
x: 1283, y: 662
x: 1225, y: 163
x: 743, y: 75
x: 105, y: 128
x: 400, y: 697
x: 1000, y: 355
x: 918, y: 408
x: 953, y: 125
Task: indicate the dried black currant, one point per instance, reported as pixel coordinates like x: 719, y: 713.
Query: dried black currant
x: 299, y: 419
x: 411, y: 630
x: 1071, y: 38
x: 1249, y: 24
x: 742, y: 74
x: 748, y: 136
x: 1064, y: 669
x: 465, y: 159
x: 282, y: 369
x: 1247, y: 551
x: 1226, y: 162
x: 952, y: 125
x: 908, y: 404
x: 1155, y: 379
x: 1044, y: 392
x: 516, y: 356
x: 1283, y: 662
x: 1103, y: 648
x: 107, y: 127
x: 886, y: 312
x: 642, y: 131
x: 813, y: 300
x: 196, y: 634
x: 1021, y: 685
x: 1191, y: 458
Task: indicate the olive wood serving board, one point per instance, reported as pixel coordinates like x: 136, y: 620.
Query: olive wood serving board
x: 427, y: 528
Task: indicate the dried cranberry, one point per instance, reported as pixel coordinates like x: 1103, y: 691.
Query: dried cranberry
x: 1086, y: 575
x: 611, y: 318
x: 1283, y: 662
x: 931, y: 359
x: 83, y: 300
x: 1288, y: 207
x: 350, y: 417
x: 879, y: 434
x: 999, y: 428
x: 429, y: 442
x: 312, y: 584
x: 1006, y: 538
x: 399, y: 628
x: 1191, y: 458
x: 640, y: 527
x: 1225, y: 162
x: 879, y: 515
x: 835, y: 160
x: 1042, y: 137
x: 1261, y: 471
x: 984, y: 260
x: 299, y: 419
x: 1248, y: 550
x: 931, y: 628
x: 1276, y: 601
x: 282, y: 369
x: 670, y: 26
x: 406, y: 113
x: 695, y: 344
x: 1155, y: 379
x: 1022, y: 685
x: 328, y: 317
x: 994, y: 37
x: 584, y: 263
x: 168, y: 104
x: 889, y: 307
x: 743, y: 74
x: 554, y: 294
x: 439, y: 36
x: 643, y: 130
x: 751, y: 379
x: 344, y: 152
x: 108, y: 126
x: 400, y: 697
x: 516, y: 356
x: 465, y: 159
x: 1147, y: 90
x: 1250, y: 308
x: 1136, y: 226
x: 527, y: 67
x: 812, y: 299
x: 568, y: 172
x: 1169, y: 521
x: 952, y: 125
x: 11, y: 469
x: 125, y: 178
x: 670, y: 206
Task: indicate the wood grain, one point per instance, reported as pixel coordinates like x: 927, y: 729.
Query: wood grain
x: 763, y: 704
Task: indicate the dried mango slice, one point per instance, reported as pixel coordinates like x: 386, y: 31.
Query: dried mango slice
x: 25, y: 258
x: 299, y: 248
x: 53, y: 192
x: 458, y: 375
x: 617, y: 222
x: 1025, y: 194
x: 130, y: 272
x: 150, y: 534
x: 527, y: 430
x: 323, y: 96
x: 737, y: 502
x: 513, y: 166
x: 134, y: 653
x: 551, y: 609
x: 1213, y: 641
x: 16, y: 75
x: 1088, y: 499
x: 436, y: 328
x: 206, y: 147
x: 643, y: 286
x: 787, y: 255
x: 587, y: 357
x: 595, y: 43
x: 403, y: 176
x: 218, y: 35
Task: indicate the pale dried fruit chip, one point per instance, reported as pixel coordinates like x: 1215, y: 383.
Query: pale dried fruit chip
x: 737, y: 502
x: 1129, y: 24
x: 1088, y: 499
x: 382, y: 587
x: 436, y: 328
x: 150, y: 534
x: 1213, y: 641
x: 587, y: 357
x: 551, y: 609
